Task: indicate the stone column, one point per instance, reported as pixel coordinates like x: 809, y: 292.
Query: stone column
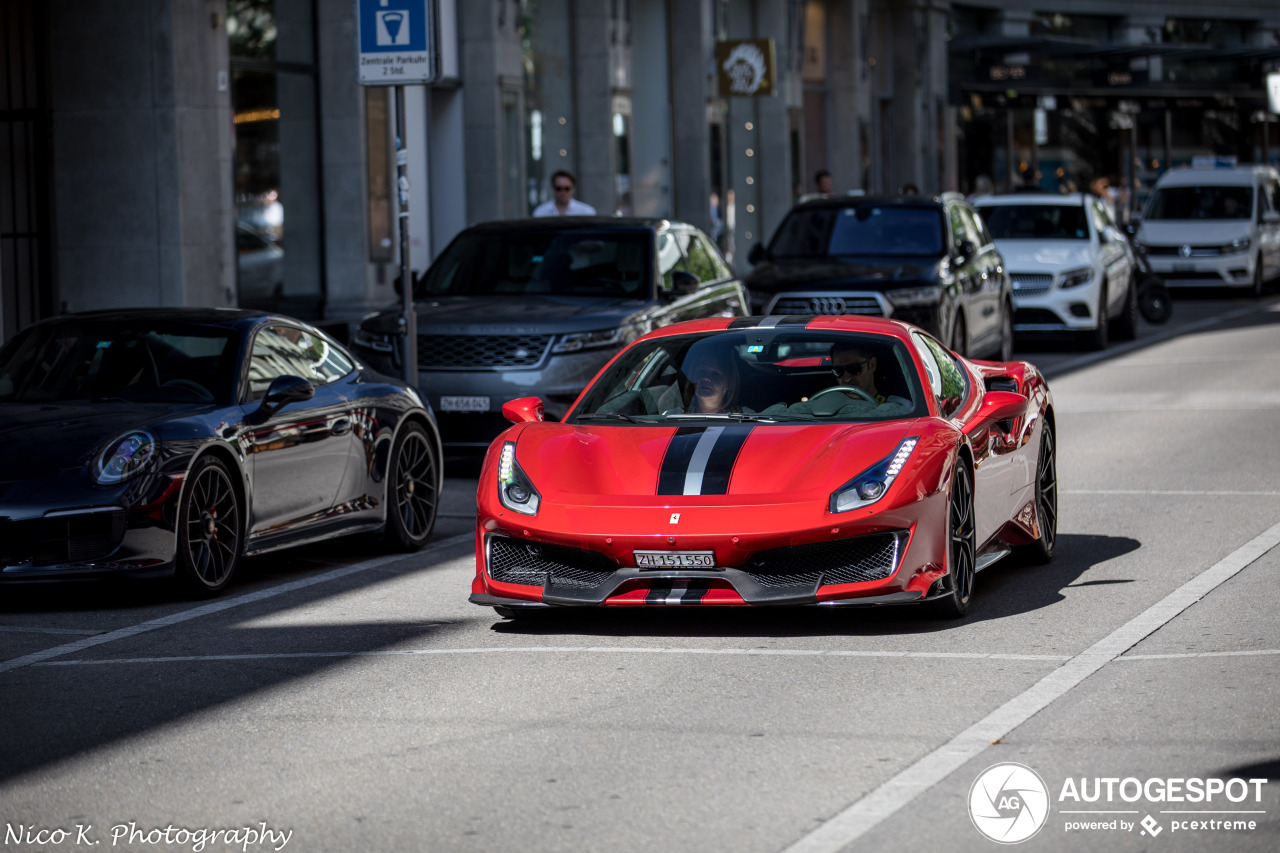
x: 692, y: 83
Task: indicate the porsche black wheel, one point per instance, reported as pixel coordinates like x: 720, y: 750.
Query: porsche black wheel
x: 412, y: 490
x: 1041, y: 551
x: 209, y: 529
x: 961, y: 546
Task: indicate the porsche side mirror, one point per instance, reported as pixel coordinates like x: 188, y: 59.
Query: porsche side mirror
x: 997, y: 406
x: 284, y: 390
x: 757, y: 254
x: 684, y: 283
x: 524, y: 410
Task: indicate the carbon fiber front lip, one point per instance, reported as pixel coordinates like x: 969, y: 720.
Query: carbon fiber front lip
x: 912, y: 597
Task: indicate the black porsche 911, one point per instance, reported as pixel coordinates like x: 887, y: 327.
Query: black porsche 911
x: 151, y: 442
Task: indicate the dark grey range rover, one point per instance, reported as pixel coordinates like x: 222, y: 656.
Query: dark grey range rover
x: 535, y: 307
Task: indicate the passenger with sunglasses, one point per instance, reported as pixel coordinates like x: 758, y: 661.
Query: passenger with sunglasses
x: 563, y: 184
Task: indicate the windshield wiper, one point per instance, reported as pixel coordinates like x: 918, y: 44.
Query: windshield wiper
x: 727, y: 416
x: 617, y: 416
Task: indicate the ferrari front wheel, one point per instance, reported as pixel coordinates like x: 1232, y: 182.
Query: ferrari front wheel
x: 961, y: 546
x: 1046, y: 497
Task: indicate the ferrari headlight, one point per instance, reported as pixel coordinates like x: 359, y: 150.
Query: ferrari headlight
x: 911, y: 296
x: 124, y: 457
x: 1075, y: 278
x: 514, y: 489
x: 872, y: 484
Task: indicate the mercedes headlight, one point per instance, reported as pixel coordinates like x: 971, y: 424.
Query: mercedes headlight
x: 1075, y: 278
x: 124, y: 457
x: 514, y: 489
x: 908, y: 297
x: 872, y: 484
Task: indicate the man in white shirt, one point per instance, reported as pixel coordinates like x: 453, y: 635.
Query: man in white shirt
x: 564, y: 204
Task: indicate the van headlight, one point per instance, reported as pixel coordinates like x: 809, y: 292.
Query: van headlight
x: 514, y: 489
x: 124, y: 457
x: 1240, y: 244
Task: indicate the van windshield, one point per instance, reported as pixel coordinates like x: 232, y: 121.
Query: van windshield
x: 1200, y: 203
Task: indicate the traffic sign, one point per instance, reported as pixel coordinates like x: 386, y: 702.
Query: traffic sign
x: 395, y: 42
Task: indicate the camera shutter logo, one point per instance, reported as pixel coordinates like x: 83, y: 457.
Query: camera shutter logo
x: 1009, y: 803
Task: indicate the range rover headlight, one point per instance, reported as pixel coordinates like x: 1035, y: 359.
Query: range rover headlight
x: 1075, y: 278
x: 376, y: 341
x: 616, y: 337
x: 872, y: 484
x: 514, y: 489
x: 124, y: 457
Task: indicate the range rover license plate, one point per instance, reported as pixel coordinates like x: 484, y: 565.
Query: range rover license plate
x: 464, y: 404
x: 675, y: 559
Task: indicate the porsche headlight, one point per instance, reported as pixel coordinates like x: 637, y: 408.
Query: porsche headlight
x: 872, y: 484
x: 124, y: 457
x: 1075, y: 278
x: 514, y: 489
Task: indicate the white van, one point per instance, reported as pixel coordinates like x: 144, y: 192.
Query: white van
x: 1205, y: 227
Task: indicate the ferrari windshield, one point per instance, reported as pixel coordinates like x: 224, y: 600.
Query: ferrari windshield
x: 138, y: 361
x: 600, y: 262
x: 758, y: 375
x: 862, y: 230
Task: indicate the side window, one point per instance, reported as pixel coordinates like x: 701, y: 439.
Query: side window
x: 1098, y: 214
x: 947, y: 379
x: 290, y: 351
x: 704, y: 262
x: 973, y: 224
x: 960, y: 227
x: 980, y: 227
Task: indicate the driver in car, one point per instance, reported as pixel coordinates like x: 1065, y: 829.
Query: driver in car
x: 855, y: 392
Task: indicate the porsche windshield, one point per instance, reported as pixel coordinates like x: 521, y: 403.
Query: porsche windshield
x: 867, y: 229
x: 133, y: 361
x: 758, y: 375
x: 601, y: 262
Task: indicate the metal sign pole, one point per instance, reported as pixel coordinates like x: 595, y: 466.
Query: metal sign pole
x: 408, y: 319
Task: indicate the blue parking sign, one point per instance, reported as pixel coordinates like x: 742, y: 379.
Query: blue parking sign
x: 395, y: 41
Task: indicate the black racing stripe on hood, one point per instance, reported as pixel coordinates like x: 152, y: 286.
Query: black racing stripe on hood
x: 675, y: 462
x: 716, y: 479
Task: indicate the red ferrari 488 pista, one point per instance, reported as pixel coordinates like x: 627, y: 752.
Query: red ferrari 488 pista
x: 770, y: 461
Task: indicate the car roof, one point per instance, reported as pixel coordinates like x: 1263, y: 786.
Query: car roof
x: 1031, y: 198
x: 858, y: 200
x: 240, y: 319
x: 1233, y: 176
x: 795, y: 322
x: 553, y: 223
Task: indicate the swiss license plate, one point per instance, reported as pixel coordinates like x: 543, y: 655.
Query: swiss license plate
x: 675, y: 559
x: 464, y: 404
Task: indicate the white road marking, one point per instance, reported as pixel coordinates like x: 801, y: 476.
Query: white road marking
x: 220, y: 605
x: 1173, y: 492
x: 1180, y: 655
x: 657, y: 650
x: 868, y: 811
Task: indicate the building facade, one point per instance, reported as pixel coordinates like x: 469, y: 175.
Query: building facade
x: 221, y: 152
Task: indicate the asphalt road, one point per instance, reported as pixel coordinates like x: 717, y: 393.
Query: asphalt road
x: 361, y: 703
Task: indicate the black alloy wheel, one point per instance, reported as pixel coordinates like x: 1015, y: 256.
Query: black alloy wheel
x: 412, y: 490
x: 209, y: 529
x: 1041, y: 551
x: 961, y: 546
x: 1127, y: 323
x: 1006, y: 334
x: 959, y: 340
x: 1096, y: 339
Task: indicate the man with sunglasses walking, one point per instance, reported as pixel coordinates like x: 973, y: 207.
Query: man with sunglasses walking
x: 564, y: 204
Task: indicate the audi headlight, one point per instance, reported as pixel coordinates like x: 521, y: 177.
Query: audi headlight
x: 514, y: 489
x: 908, y: 297
x: 377, y: 341
x: 1240, y: 244
x: 872, y: 484
x: 615, y: 337
x: 1075, y: 278
x: 124, y: 457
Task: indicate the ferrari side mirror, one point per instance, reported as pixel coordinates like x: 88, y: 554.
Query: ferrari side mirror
x: 997, y: 406
x: 523, y: 410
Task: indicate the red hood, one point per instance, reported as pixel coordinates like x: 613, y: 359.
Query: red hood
x: 626, y: 465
